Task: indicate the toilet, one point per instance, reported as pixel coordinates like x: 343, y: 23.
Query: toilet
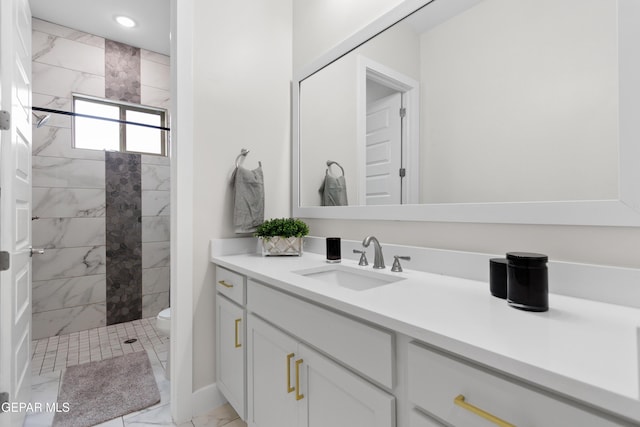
x: 163, y: 321
x: 163, y: 324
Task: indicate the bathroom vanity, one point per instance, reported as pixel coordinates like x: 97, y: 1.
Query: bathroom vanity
x: 303, y: 344
x: 297, y: 346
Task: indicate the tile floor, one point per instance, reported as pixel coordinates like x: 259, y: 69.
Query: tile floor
x: 52, y: 355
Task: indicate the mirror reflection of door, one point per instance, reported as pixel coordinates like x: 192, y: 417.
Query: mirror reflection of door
x: 391, y: 136
x: 383, y: 146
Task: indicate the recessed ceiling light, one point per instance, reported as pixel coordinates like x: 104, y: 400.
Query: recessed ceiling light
x: 125, y: 21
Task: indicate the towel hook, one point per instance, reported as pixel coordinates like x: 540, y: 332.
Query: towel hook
x: 243, y: 153
x: 331, y: 162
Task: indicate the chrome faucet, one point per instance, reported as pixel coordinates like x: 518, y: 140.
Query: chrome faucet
x: 378, y: 260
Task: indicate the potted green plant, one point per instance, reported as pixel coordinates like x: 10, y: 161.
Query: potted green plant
x: 282, y: 236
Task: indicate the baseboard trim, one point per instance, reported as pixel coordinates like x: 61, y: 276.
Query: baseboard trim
x: 206, y: 399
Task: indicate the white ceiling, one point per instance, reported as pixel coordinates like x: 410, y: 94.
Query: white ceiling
x: 97, y: 17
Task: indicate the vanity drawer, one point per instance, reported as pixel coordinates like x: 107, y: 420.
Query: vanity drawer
x: 230, y: 284
x: 435, y: 380
x: 417, y: 419
x: 366, y: 349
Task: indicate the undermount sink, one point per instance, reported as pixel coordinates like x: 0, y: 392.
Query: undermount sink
x: 349, y: 277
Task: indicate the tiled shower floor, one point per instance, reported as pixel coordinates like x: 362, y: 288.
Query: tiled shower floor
x: 52, y: 355
x: 55, y: 353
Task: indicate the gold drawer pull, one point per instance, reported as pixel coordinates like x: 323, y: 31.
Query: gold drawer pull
x: 298, y: 395
x: 289, y: 357
x: 238, y: 344
x: 459, y: 400
x: 225, y: 284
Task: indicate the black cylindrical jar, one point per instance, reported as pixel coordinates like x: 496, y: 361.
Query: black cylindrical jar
x: 333, y: 249
x: 527, y: 281
x: 498, y: 277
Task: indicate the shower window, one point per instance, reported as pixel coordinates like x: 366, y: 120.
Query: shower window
x: 113, y: 126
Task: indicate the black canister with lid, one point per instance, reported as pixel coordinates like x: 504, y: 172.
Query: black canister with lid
x: 333, y: 249
x: 527, y: 281
x: 498, y: 277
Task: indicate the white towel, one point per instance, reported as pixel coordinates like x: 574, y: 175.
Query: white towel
x: 248, y: 205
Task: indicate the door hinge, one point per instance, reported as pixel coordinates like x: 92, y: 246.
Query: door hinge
x: 4, y: 398
x: 403, y: 112
x: 403, y: 172
x: 5, y: 260
x: 5, y: 120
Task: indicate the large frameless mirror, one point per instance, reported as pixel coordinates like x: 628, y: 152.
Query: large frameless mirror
x: 475, y: 110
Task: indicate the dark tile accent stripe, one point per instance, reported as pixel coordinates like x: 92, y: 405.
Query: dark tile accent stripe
x: 122, y: 72
x: 123, y: 237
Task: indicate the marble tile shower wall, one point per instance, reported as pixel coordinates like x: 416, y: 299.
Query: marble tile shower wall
x: 155, y: 234
x: 69, y: 280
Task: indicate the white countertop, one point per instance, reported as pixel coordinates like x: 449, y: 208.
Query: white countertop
x: 584, y: 349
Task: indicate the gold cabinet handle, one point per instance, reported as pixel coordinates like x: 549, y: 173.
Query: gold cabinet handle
x: 298, y: 395
x: 459, y: 400
x: 225, y: 284
x: 289, y: 357
x: 238, y: 344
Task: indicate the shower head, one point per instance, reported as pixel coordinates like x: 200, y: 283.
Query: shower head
x: 41, y: 120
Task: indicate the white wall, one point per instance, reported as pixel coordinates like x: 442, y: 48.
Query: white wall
x: 315, y: 30
x: 242, y: 72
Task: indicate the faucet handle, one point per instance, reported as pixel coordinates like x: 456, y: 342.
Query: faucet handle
x: 396, y: 262
x: 363, y: 257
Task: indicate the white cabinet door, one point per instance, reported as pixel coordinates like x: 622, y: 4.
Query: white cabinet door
x: 355, y: 344
x: 230, y: 349
x: 333, y: 396
x: 271, y: 379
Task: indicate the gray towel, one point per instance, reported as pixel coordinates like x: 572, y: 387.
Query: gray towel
x: 333, y: 190
x: 248, y: 205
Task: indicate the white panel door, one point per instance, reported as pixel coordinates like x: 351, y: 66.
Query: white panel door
x: 271, y: 393
x: 333, y: 396
x: 230, y: 348
x: 384, y: 151
x: 15, y: 205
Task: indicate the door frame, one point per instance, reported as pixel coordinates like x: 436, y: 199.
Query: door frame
x: 182, y: 199
x: 410, y: 88
x: 181, y: 344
